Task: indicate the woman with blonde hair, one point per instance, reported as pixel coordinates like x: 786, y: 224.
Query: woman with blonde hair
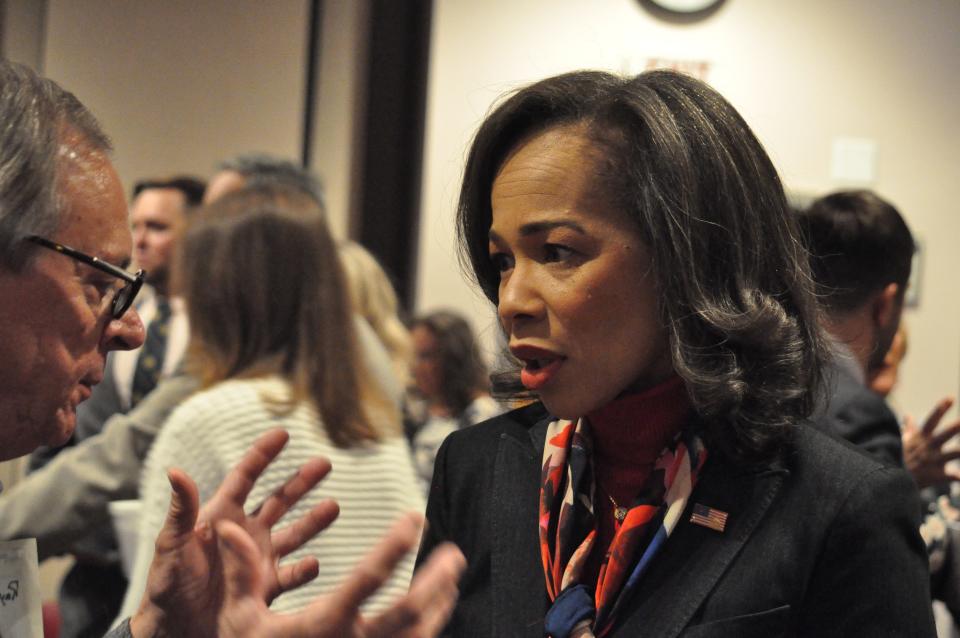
x: 274, y: 343
x: 373, y: 298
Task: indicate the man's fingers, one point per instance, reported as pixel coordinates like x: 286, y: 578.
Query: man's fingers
x: 933, y: 419
x: 437, y: 614
x: 277, y: 504
x: 241, y: 562
x: 244, y: 599
x: 303, y: 529
x: 238, y: 483
x: 430, y: 601
x: 374, y: 569
x: 182, y: 514
x: 299, y: 573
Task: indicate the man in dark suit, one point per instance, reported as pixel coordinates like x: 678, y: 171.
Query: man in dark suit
x: 861, y: 259
x: 861, y: 254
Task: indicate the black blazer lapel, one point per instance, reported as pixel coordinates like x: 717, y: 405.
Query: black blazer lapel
x: 695, y: 557
x: 519, y: 593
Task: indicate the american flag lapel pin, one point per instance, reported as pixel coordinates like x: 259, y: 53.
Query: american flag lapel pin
x: 709, y: 517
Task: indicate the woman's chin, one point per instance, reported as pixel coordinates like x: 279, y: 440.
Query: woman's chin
x: 565, y: 406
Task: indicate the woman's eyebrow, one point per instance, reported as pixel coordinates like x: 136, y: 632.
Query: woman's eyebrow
x: 542, y: 226
x: 533, y: 228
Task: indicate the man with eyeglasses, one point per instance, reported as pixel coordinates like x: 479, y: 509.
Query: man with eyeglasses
x: 92, y: 590
x: 158, y: 214
x: 64, y: 298
x: 64, y: 309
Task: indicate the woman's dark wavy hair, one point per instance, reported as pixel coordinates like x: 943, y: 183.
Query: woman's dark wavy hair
x: 736, y: 295
x: 462, y: 370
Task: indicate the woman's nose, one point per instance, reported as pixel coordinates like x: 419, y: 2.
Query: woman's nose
x: 519, y: 299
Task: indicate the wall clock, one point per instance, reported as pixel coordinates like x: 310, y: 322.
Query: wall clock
x: 685, y: 6
x: 682, y: 10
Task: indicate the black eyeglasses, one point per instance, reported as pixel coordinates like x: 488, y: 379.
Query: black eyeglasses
x: 124, y: 296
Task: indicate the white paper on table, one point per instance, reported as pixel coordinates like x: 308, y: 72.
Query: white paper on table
x: 20, y: 615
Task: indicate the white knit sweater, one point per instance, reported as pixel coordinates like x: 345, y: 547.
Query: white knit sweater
x: 209, y: 433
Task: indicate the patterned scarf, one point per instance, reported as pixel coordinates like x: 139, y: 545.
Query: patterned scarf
x: 568, y: 528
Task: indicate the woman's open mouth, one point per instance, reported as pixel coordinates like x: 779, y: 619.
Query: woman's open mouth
x: 539, y: 365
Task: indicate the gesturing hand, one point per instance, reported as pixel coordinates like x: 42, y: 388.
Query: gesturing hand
x: 923, y: 448
x: 185, y: 585
x: 422, y: 612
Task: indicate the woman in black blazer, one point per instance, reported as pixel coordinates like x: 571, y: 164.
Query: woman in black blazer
x: 636, y: 240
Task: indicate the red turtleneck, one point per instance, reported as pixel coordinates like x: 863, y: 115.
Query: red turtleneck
x: 628, y: 435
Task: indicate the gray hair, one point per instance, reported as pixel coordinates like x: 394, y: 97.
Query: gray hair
x: 35, y: 115
x: 260, y: 168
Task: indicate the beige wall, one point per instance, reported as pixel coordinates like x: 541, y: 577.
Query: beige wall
x: 23, y: 31
x: 802, y: 74
x: 339, y: 104
x: 181, y: 84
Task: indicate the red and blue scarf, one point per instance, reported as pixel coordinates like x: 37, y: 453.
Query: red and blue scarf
x: 568, y: 527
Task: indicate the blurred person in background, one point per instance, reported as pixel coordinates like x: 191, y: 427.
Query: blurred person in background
x: 861, y: 253
x: 451, y: 386
x: 250, y: 169
x: 861, y: 256
x: 374, y: 299
x: 882, y: 378
x: 274, y: 344
x: 941, y: 526
x: 255, y: 169
x: 928, y: 449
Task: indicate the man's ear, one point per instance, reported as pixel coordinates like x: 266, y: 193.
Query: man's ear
x: 887, y: 306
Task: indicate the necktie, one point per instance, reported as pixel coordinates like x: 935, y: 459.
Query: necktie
x: 150, y: 361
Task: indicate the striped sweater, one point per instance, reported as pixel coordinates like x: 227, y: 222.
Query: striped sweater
x: 209, y: 433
